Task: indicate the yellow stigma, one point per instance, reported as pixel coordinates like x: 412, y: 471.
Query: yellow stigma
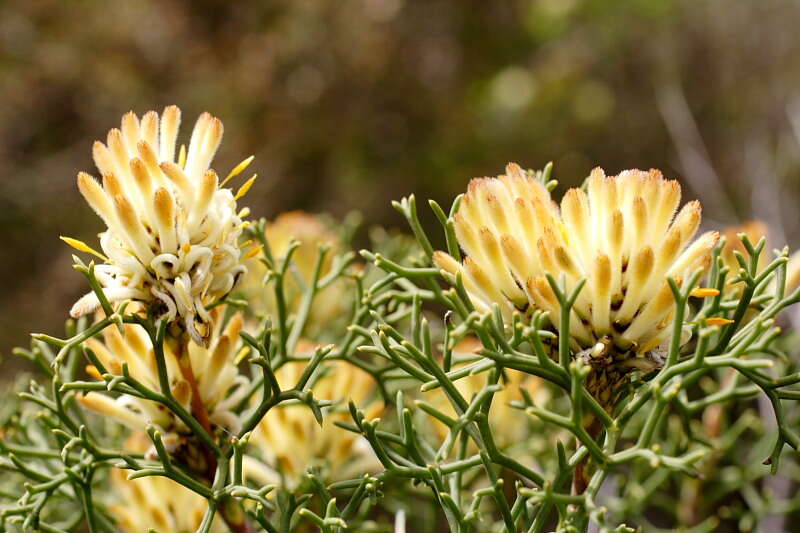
x: 238, y: 169
x: 245, y: 187
x: 83, y: 247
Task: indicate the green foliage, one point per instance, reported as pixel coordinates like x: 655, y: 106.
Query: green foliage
x: 683, y: 447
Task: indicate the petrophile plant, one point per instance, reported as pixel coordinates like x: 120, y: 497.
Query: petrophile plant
x: 533, y: 366
x: 659, y: 360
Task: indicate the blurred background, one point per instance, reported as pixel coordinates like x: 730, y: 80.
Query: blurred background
x: 350, y: 104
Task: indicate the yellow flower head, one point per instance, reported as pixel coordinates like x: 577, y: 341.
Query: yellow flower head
x: 289, y: 440
x: 622, y: 235
x: 172, y: 231
x: 154, y: 502
x: 211, y: 370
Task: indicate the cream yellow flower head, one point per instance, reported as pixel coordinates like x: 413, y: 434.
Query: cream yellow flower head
x: 210, y: 372
x: 172, y: 237
x: 311, y: 233
x: 154, y: 502
x: 289, y: 440
x: 622, y: 235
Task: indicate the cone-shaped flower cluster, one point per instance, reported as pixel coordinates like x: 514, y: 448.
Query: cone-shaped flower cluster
x: 289, y: 440
x: 192, y: 369
x: 622, y: 235
x: 172, y: 237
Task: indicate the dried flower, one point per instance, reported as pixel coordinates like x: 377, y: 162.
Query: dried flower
x: 622, y: 235
x: 211, y: 371
x: 172, y: 237
x: 289, y: 440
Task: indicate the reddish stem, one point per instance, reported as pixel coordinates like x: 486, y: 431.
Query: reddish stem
x: 230, y: 510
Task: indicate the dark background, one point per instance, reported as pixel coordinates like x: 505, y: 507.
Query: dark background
x: 349, y: 104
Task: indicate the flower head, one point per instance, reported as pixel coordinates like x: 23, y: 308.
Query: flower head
x: 172, y: 237
x: 155, y: 503
x: 289, y: 440
x: 622, y: 235
x: 212, y: 370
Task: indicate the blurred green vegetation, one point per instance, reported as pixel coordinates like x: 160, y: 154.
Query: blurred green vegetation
x: 352, y: 103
